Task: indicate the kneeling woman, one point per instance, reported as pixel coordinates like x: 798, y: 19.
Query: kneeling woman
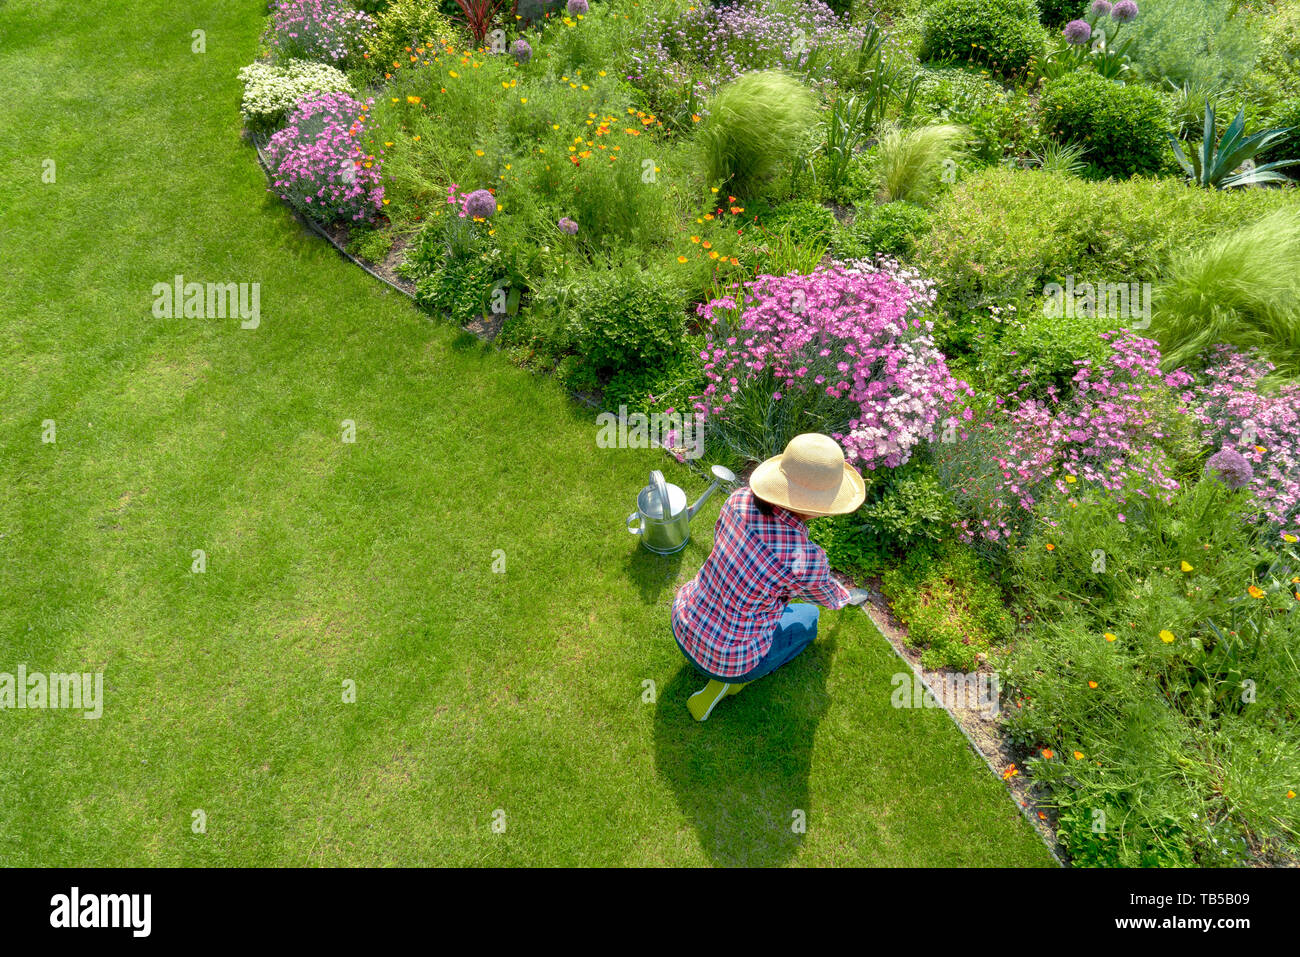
x: 735, y: 620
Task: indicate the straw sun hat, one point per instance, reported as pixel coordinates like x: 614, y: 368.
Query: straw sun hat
x: 811, y: 477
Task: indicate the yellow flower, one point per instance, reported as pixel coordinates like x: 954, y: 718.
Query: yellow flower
x: 478, y: 152
x: 1078, y: 755
x: 1186, y: 567
x: 1051, y: 547
x: 1289, y: 539
x: 681, y: 259
x: 1092, y: 684
x: 1070, y: 479
x: 1109, y: 636
x: 453, y: 74
x: 1255, y: 592
x: 1290, y: 794
x: 1166, y: 636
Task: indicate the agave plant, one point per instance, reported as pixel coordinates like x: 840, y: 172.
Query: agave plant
x: 1214, y: 165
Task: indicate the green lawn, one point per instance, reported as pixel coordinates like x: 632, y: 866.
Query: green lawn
x: 369, y: 561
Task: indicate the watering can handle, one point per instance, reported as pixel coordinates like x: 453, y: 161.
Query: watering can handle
x: 634, y: 523
x: 661, y: 489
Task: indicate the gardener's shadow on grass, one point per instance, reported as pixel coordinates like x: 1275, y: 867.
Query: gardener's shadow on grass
x: 742, y: 776
x: 653, y: 573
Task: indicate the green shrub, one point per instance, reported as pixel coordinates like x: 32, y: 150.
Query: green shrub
x: 1042, y: 352
x: 371, y: 245
x: 950, y: 606
x: 891, y: 229
x: 1196, y: 41
x: 1242, y: 289
x: 756, y: 124
x: 852, y: 545
x: 915, y: 165
x: 1123, y: 127
x: 1286, y: 115
x: 649, y: 389
x: 913, y: 510
x: 1002, y: 35
x: 1276, y: 76
x: 1002, y: 121
x: 804, y: 221
x: 1056, y: 13
x: 626, y: 317
x: 403, y: 24
x: 1000, y: 236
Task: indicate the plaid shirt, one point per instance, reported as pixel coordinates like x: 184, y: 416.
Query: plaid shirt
x: 725, y: 618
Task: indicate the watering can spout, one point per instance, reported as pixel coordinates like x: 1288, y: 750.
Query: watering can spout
x: 721, y: 475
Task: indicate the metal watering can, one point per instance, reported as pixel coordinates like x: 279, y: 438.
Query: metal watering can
x: 662, y: 519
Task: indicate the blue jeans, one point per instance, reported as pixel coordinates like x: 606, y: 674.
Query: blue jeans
x: 794, y: 632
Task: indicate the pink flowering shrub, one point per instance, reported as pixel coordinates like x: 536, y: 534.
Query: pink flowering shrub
x: 1263, y: 426
x: 317, y: 164
x: 328, y: 31
x: 1113, y: 432
x: 842, y: 351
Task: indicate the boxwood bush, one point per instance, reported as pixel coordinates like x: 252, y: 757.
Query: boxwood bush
x: 1122, y: 127
x: 1002, y: 35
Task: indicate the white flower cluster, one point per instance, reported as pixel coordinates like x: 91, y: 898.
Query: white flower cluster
x: 271, y: 91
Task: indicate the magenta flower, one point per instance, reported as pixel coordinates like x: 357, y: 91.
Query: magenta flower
x: 568, y: 226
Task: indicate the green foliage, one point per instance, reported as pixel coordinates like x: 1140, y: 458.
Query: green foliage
x: 1057, y: 13
x: 1192, y: 40
x: 1214, y: 163
x: 915, y: 165
x: 852, y: 545
x: 952, y: 609
x: 1042, y: 352
x: 626, y: 317
x: 649, y: 389
x: 1276, y: 76
x: 891, y: 229
x: 371, y: 245
x: 913, y: 510
x: 1123, y: 127
x: 1002, y: 121
x: 406, y: 24
x: 1241, y: 289
x: 1000, y: 236
x: 1002, y: 35
x: 1285, y: 115
x: 803, y: 221
x: 756, y: 125
x: 1177, y: 687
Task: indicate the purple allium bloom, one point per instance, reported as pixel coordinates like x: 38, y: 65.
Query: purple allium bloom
x: 480, y: 204
x: 1230, y: 467
x: 1124, y: 11
x: 1077, y: 32
x: 577, y: 8
x: 1100, y: 8
x: 568, y: 226
x: 522, y: 51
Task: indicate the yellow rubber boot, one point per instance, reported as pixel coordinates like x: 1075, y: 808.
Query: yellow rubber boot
x: 735, y: 689
x: 701, y: 703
